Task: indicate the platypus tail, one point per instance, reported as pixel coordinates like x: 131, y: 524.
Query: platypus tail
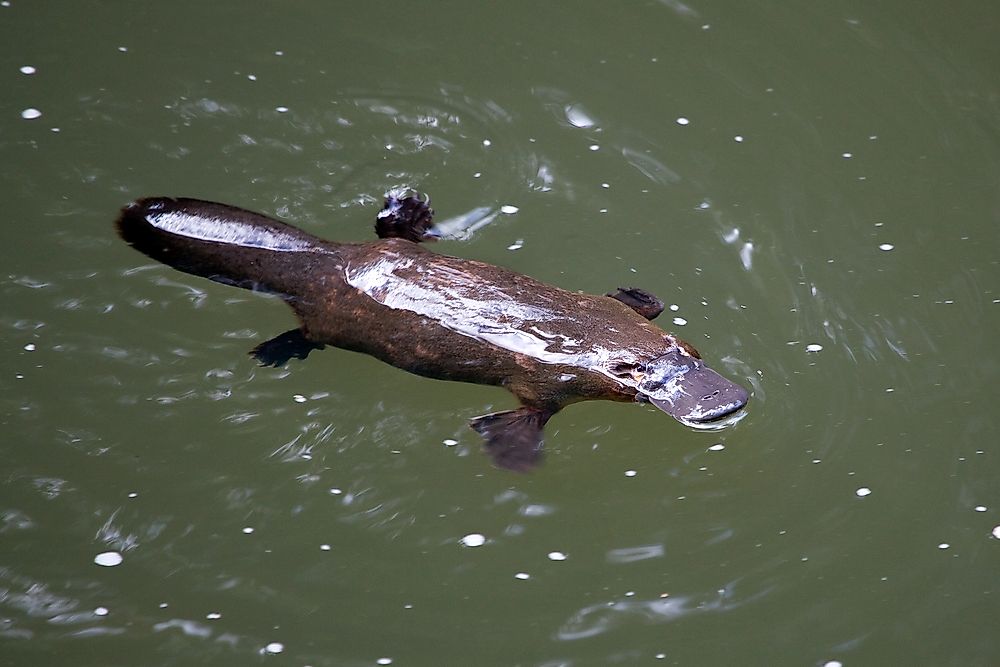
x: 220, y: 242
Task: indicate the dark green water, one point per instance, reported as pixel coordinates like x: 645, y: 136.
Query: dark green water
x: 825, y: 220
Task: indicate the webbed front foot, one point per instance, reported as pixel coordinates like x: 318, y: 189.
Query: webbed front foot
x: 638, y: 300
x: 514, y: 437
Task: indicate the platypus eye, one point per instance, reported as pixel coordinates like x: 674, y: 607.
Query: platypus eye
x: 622, y: 369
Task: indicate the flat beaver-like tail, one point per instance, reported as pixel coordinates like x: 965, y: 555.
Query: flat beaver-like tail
x: 220, y: 242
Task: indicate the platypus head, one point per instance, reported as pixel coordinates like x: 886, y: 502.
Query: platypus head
x: 681, y: 385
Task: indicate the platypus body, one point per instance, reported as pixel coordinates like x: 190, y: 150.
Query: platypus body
x: 440, y: 316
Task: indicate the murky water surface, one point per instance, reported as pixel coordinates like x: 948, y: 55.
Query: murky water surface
x: 812, y: 189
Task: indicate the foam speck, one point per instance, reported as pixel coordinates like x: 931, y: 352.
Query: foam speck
x: 31, y: 113
x: 108, y: 559
x: 473, y: 540
x: 862, y: 492
x: 557, y: 555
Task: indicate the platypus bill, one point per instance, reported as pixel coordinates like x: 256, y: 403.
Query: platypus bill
x: 441, y: 317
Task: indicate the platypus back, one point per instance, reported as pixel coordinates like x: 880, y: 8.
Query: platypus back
x: 223, y: 243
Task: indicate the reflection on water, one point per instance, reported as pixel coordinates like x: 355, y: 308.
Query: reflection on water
x: 605, y: 617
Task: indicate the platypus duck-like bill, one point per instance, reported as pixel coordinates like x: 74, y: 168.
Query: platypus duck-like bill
x: 441, y: 317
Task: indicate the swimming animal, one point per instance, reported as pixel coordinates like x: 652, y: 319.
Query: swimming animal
x: 440, y: 316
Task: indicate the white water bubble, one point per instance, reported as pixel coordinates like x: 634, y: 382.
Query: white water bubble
x: 738, y: 138
x: 31, y: 113
x: 281, y: 109
x: 523, y: 576
x: 717, y: 447
x: 516, y: 245
x: 680, y: 321
x: 746, y: 255
x: 299, y: 398
x: 631, y: 473
x: 886, y: 247
x: 980, y: 508
x: 274, y: 647
x: 577, y: 117
x: 833, y: 663
x: 847, y: 156
x: 28, y: 69
x: 448, y: 443
x: 101, y: 611
x: 996, y: 532
x: 674, y: 307
x: 683, y: 121
x: 862, y: 492
x: 30, y: 347
x: 473, y: 540
x: 557, y: 555
x: 595, y: 147
x: 384, y: 661
x: 508, y: 209
x: 814, y: 347
x: 248, y: 530
x: 943, y: 545
x: 324, y: 547
x: 336, y: 492
x: 213, y: 615
x: 108, y: 559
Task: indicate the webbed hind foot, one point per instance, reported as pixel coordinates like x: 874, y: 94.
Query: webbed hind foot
x: 407, y: 218
x: 280, y: 349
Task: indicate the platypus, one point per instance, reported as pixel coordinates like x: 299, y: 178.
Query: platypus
x: 441, y: 317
